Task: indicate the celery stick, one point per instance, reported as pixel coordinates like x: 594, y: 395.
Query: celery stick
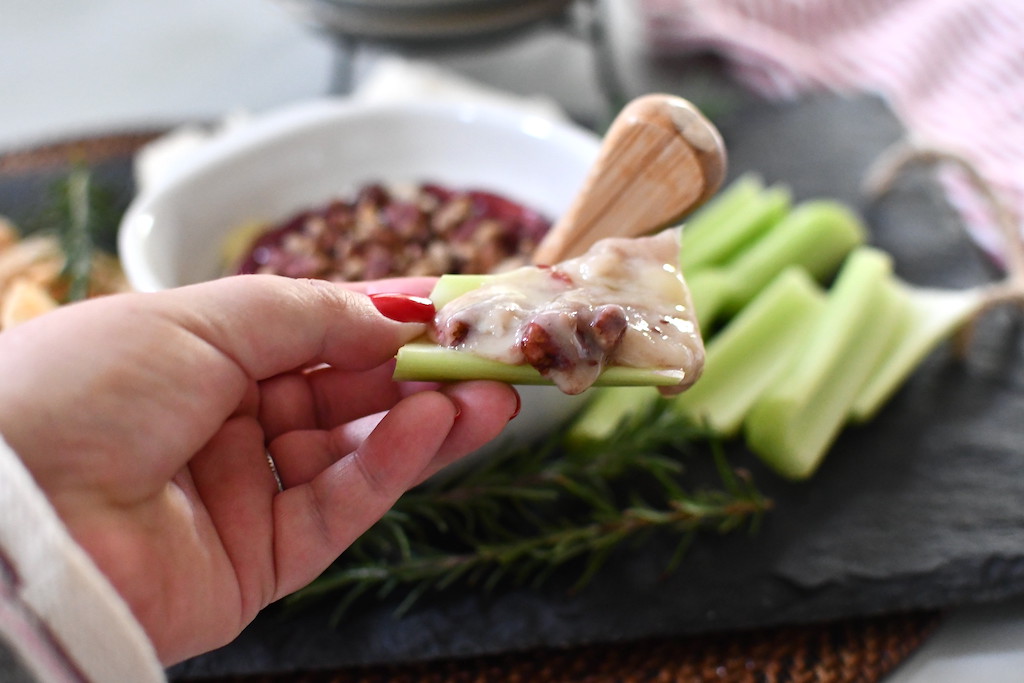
x: 607, y: 409
x: 426, y: 361
x: 847, y: 315
x: 451, y: 286
x: 751, y: 352
x: 932, y: 316
x: 716, y: 243
x: 720, y: 209
x: 792, y: 425
x: 817, y: 235
x: 709, y: 291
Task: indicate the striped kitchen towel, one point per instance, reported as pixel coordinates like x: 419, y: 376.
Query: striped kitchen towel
x: 951, y: 70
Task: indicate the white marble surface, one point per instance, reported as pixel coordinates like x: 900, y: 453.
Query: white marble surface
x: 72, y: 68
x: 975, y: 644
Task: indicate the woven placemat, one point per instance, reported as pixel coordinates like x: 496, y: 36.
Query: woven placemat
x: 88, y: 150
x: 855, y: 650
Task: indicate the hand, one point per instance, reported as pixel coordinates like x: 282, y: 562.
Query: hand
x: 147, y: 418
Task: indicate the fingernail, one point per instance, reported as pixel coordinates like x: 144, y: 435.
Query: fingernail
x: 519, y: 405
x: 455, y: 404
x: 404, y: 308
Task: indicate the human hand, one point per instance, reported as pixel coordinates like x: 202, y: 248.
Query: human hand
x: 146, y: 419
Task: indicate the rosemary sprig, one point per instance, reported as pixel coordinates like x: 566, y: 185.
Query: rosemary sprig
x: 81, y: 214
x: 75, y: 234
x: 520, y: 516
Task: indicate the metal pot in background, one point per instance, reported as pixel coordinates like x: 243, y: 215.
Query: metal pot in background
x: 427, y: 21
x: 461, y: 29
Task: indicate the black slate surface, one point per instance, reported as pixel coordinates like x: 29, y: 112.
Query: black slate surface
x: 920, y: 509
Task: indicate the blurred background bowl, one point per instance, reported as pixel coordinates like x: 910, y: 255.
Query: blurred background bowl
x: 303, y: 156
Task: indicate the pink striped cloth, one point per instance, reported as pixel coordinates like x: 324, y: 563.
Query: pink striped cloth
x: 951, y: 70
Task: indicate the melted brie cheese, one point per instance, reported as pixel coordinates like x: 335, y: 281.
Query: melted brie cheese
x: 624, y: 302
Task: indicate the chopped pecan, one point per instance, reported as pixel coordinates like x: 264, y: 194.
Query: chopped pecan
x: 431, y: 231
x: 607, y: 327
x: 454, y: 333
x: 541, y: 350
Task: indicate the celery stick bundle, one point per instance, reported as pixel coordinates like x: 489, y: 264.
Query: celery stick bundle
x: 871, y: 333
x: 751, y: 354
x: 732, y: 249
x: 793, y: 422
x: 792, y: 355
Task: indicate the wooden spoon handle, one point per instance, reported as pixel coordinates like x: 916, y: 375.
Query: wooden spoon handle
x: 660, y: 159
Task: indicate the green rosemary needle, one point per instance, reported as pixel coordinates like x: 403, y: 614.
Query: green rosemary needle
x: 522, y: 515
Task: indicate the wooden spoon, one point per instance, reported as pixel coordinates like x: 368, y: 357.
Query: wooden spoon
x: 660, y: 159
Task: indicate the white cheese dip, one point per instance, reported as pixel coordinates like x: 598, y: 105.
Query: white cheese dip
x: 624, y: 302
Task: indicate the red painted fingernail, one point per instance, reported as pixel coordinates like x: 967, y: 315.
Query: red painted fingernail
x: 404, y: 308
x: 519, y: 405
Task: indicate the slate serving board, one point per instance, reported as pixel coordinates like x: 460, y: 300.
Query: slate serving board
x: 921, y: 509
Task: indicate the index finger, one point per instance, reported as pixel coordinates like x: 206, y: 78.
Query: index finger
x: 270, y: 324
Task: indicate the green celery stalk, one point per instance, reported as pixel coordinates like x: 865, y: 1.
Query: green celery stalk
x: 606, y: 410
x: 817, y: 234
x: 430, y: 362
x: 752, y: 351
x: 720, y: 209
x: 726, y: 231
x: 932, y: 315
x: 792, y: 425
x: 451, y: 286
x: 710, y: 290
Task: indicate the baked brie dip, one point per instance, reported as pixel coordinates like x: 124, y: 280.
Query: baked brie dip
x: 619, y: 314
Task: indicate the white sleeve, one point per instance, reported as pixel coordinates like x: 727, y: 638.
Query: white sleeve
x: 60, y: 619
